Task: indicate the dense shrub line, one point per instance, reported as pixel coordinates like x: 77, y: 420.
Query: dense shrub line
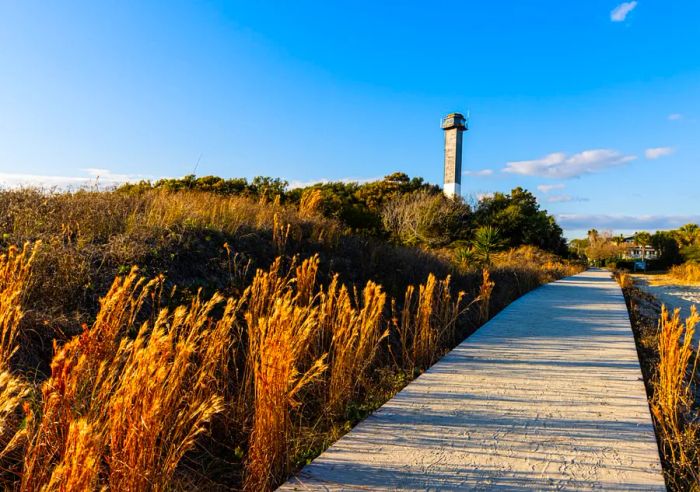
x: 255, y: 333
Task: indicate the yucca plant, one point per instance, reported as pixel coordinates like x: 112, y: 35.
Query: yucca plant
x: 486, y: 241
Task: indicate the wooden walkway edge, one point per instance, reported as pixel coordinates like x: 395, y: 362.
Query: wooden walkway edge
x: 547, y: 395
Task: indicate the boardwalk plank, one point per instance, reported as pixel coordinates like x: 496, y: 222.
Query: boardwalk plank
x: 546, y: 395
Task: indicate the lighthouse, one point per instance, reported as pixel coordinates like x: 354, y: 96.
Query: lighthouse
x: 453, y: 125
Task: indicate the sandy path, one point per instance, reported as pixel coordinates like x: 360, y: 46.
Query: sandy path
x: 673, y: 295
x: 670, y: 294
x: 547, y: 395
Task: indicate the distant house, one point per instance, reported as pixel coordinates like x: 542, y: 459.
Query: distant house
x: 633, y: 251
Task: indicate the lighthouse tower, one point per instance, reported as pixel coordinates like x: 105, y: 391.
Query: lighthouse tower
x: 453, y: 124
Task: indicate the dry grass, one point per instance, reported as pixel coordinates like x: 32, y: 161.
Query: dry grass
x: 687, y: 273
x: 485, y: 291
x: 14, y: 391
x: 544, y: 266
x: 311, y: 203
x: 15, y: 273
x: 136, y: 404
x: 280, y: 330
x: 672, y: 401
x: 277, y: 364
x: 625, y: 280
x: 355, y: 336
x: 133, y: 393
x: 90, y: 237
x: 669, y: 363
x: 426, y: 324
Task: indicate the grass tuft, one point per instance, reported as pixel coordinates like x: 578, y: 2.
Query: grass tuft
x: 688, y: 273
x: 672, y: 401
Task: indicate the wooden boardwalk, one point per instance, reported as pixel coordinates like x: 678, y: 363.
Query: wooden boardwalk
x: 546, y: 395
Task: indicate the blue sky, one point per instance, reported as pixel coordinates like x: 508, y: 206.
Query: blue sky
x: 594, y: 106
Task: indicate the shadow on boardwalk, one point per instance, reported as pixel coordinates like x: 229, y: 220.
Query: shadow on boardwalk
x: 547, y: 395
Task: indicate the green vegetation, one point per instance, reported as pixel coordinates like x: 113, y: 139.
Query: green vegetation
x: 261, y: 324
x: 407, y: 210
x: 672, y: 247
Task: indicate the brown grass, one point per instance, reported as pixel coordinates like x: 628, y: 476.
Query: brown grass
x: 311, y: 203
x: 669, y: 363
x: 131, y: 406
x: 485, y: 291
x: 544, y: 266
x: 426, y: 323
x: 355, y: 337
x: 15, y: 273
x: 279, y: 334
x: 625, y: 280
x: 278, y: 364
x: 672, y: 402
x: 132, y: 394
x: 687, y: 273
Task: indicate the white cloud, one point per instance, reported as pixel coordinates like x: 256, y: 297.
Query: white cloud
x: 620, y: 12
x: 625, y: 222
x: 93, y: 177
x: 563, y: 198
x: 481, y: 196
x: 656, y: 152
x: 675, y: 116
x: 546, y: 188
x: 558, y: 165
x: 482, y: 172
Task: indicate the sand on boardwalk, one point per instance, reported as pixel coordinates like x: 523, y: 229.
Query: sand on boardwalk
x: 548, y: 395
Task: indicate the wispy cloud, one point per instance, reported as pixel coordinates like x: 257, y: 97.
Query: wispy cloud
x: 675, y: 117
x: 546, y: 188
x: 656, y: 152
x: 481, y: 196
x: 92, y: 177
x: 559, y: 165
x: 620, y: 12
x: 481, y: 172
x: 638, y: 222
x: 563, y: 198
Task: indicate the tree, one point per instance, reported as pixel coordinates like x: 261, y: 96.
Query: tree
x: 688, y: 235
x: 601, y: 248
x: 577, y: 247
x: 593, y: 235
x: 376, y: 193
x: 666, y: 246
x: 691, y: 253
x: 360, y: 206
x: 642, y: 239
x: 520, y: 220
x: 268, y: 187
